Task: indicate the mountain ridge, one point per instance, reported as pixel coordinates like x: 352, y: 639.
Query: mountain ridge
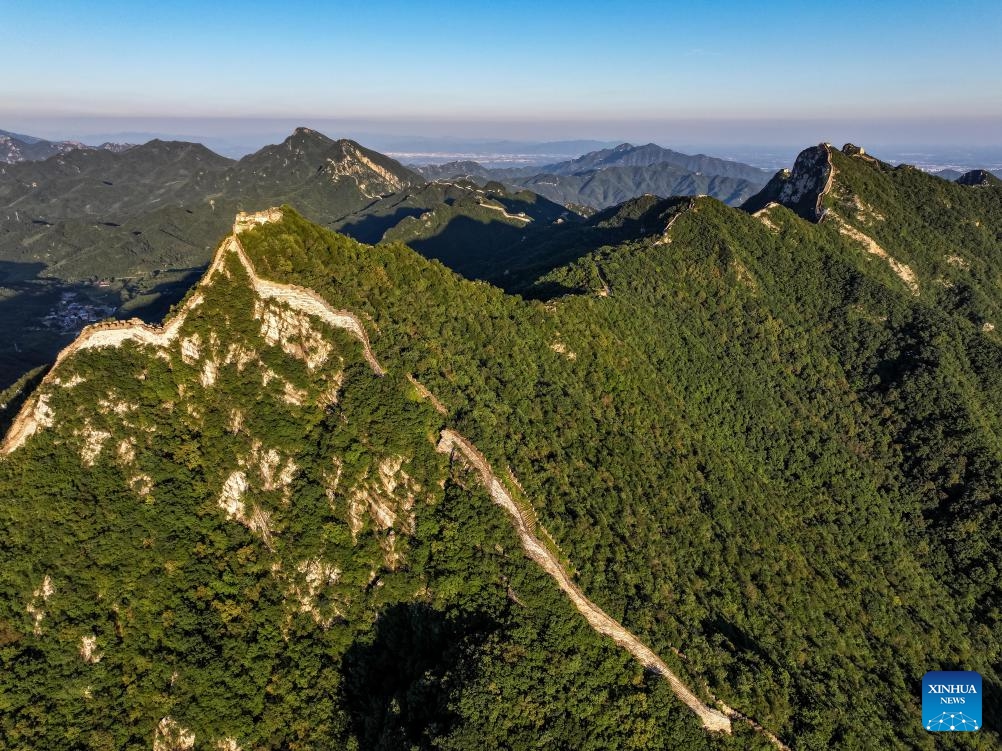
x: 36, y: 414
x: 704, y: 404
x: 17, y: 147
x: 610, y: 176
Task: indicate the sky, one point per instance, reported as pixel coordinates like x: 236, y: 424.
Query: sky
x: 911, y: 72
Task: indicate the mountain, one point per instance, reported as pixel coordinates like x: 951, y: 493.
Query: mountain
x: 723, y: 470
x: 608, y: 177
x: 624, y: 155
x: 328, y: 179
x: 948, y: 174
x: 628, y: 155
x: 109, y: 185
x: 462, y: 169
x: 476, y: 231
x: 609, y: 186
x: 979, y: 177
x: 16, y: 147
x: 396, y: 578
x: 93, y: 233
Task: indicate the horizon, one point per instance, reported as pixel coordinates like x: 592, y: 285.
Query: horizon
x: 237, y: 137
x: 717, y: 76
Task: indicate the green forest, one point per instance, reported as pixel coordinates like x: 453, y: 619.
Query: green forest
x: 753, y: 444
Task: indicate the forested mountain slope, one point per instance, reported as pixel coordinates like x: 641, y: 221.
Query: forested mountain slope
x: 90, y: 234
x: 753, y: 440
x: 271, y: 550
x: 604, y: 178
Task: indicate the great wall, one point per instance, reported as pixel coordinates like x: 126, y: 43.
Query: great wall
x: 599, y: 620
x: 35, y: 413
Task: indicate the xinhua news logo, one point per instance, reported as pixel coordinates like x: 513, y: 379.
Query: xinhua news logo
x: 951, y: 701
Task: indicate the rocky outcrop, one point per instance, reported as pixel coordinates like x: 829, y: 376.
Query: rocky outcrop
x: 88, y: 650
x: 803, y: 189
x: 36, y: 606
x: 311, y: 577
x: 352, y: 163
x: 171, y: 736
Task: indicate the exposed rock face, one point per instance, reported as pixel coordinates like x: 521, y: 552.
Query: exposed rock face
x: 170, y: 736
x: 388, y: 502
x: 294, y: 333
x: 310, y: 578
x: 851, y: 149
x: 88, y: 650
x: 231, y: 496
x: 36, y: 607
x: 807, y: 182
x: 802, y: 189
x: 350, y: 162
x: 94, y: 440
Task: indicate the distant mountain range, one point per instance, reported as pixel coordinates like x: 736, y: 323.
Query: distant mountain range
x: 606, y: 177
x: 16, y: 147
x: 954, y: 174
x: 92, y: 232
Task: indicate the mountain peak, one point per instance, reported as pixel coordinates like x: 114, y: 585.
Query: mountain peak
x: 306, y: 136
x: 801, y: 189
x: 978, y: 178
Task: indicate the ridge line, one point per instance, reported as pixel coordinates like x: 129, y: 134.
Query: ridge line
x: 28, y: 420
x: 35, y: 413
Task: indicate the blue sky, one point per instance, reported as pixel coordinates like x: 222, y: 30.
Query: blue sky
x: 494, y: 69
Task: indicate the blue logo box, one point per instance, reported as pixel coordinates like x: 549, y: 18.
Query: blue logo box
x: 951, y: 701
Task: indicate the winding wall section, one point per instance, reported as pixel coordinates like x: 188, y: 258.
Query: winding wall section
x: 34, y: 413
x: 29, y: 420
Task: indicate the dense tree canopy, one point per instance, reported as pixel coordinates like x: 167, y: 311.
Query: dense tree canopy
x: 749, y: 440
